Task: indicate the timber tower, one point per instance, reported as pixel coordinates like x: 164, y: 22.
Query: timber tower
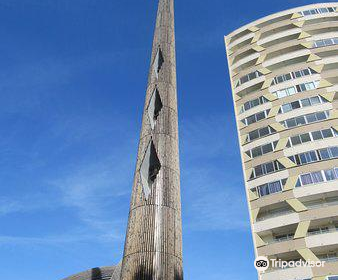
x: 153, y: 245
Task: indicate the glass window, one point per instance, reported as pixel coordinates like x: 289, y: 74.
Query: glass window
x: 295, y: 105
x: 267, y: 148
x: 300, y: 120
x: 280, y: 79
x: 246, y: 106
x: 317, y: 177
x: 324, y: 154
x: 305, y: 137
x: 288, y: 76
x: 306, y: 179
x: 311, y: 118
x: 251, y: 119
x: 269, y: 167
x: 303, y: 158
x: 301, y: 87
x: 254, y: 102
x: 313, y: 156
x: 316, y: 135
x: 258, y: 170
x: 279, y: 165
x: 291, y: 90
x: 298, y: 184
x: 295, y: 140
x: 275, y: 187
x: 327, y: 42
x: 260, y: 116
x: 286, y: 108
x: 256, y: 152
x: 263, y: 190
x: 319, y: 44
x: 297, y: 74
x: 334, y: 152
x: 291, y: 123
x: 321, y: 116
x: 306, y: 72
x: 327, y: 133
x: 330, y: 175
x: 281, y: 93
x: 315, y: 100
x: 305, y: 102
x: 253, y: 135
x: 264, y: 131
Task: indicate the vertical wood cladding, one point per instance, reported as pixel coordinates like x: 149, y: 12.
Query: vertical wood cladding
x: 153, y: 245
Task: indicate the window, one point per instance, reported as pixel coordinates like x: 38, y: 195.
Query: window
x: 159, y: 60
x: 248, y: 77
x: 317, y: 177
x: 306, y: 102
x: 306, y: 179
x: 325, y: 42
x: 318, y: 11
x: 328, y: 153
x: 332, y: 277
x: 317, y: 135
x: 305, y: 138
x: 149, y: 169
x: 261, y: 150
x: 330, y: 174
x: 266, y: 168
x: 296, y: 89
x: 324, y: 154
x: 154, y: 108
x: 302, y: 120
x: 256, y: 117
x: 314, y: 156
x: 270, y: 188
x: 292, y: 75
x: 261, y: 132
x: 253, y: 103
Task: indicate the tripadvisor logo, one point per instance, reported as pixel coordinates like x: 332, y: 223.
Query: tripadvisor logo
x: 262, y: 263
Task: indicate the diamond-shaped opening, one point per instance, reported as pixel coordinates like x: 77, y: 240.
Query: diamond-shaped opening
x: 150, y: 168
x: 154, y: 108
x: 158, y: 62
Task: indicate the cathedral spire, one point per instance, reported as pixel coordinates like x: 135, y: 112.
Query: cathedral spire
x: 153, y: 245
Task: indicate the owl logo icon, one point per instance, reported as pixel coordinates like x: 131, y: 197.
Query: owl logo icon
x: 261, y: 263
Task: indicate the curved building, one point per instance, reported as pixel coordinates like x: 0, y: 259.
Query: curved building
x: 98, y: 273
x: 284, y: 76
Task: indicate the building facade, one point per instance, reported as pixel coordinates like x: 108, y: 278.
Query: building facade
x: 284, y: 76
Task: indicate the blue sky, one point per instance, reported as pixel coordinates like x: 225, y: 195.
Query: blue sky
x: 72, y: 84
